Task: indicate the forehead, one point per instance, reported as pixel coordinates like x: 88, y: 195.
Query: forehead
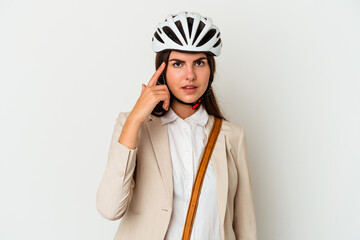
x: 186, y: 56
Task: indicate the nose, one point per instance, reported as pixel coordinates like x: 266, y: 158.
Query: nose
x: 190, y: 73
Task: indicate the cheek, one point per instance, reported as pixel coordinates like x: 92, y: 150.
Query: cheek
x: 205, y: 78
x: 173, y: 74
x: 173, y: 78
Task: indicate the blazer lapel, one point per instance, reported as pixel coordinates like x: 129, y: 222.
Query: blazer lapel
x: 219, y: 161
x: 160, y: 142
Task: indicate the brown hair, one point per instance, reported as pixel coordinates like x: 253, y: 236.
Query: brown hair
x: 209, y: 102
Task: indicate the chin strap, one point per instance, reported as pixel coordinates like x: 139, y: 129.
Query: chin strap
x: 195, y: 105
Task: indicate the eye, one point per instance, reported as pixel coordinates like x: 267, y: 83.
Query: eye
x: 177, y: 64
x: 200, y: 63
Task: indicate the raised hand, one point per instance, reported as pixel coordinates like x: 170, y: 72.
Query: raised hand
x: 150, y: 96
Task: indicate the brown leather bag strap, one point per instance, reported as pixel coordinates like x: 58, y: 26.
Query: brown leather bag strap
x: 194, y: 199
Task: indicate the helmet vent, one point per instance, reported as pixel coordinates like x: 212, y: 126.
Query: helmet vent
x: 217, y: 43
x: 159, y: 31
x: 179, y: 26
x: 190, y: 22
x: 167, y: 30
x: 158, y: 37
x: 198, y: 31
x: 207, y: 37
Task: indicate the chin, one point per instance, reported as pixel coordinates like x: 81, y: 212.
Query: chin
x: 189, y: 100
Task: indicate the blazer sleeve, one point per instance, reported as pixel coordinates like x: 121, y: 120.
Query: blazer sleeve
x: 116, y: 187
x: 244, y: 214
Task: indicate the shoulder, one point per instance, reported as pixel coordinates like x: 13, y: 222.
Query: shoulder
x: 231, y: 128
x: 122, y: 116
x: 233, y: 132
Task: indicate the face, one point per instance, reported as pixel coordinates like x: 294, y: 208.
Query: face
x: 187, y: 69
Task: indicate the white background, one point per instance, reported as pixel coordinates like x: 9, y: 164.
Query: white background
x: 288, y: 72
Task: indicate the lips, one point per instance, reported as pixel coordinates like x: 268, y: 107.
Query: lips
x: 189, y: 88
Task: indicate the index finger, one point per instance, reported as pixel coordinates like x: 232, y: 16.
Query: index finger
x: 156, y: 75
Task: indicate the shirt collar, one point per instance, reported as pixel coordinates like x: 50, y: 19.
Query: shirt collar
x: 200, y: 116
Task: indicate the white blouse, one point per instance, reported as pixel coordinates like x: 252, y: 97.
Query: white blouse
x: 187, y: 140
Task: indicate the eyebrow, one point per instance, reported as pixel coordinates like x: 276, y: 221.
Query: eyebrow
x: 178, y: 60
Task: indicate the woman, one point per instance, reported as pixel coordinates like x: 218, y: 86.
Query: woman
x: 156, y: 148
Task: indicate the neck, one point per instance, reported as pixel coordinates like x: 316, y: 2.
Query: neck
x: 182, y: 110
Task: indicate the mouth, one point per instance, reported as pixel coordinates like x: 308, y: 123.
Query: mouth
x: 189, y: 89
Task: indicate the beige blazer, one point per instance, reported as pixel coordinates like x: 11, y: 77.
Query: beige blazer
x: 137, y: 185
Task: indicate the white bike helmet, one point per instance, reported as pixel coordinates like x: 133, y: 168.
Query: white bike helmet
x: 187, y: 31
